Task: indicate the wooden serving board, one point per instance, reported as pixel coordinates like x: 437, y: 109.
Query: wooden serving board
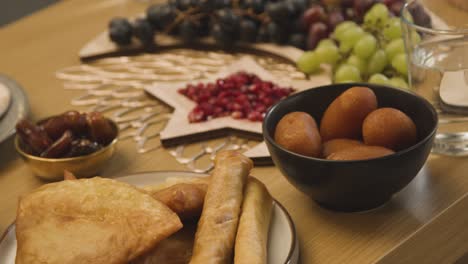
x: 179, y: 130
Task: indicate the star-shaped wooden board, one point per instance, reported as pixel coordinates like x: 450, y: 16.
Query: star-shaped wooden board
x: 180, y: 131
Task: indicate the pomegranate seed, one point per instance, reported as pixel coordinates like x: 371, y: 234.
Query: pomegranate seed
x: 260, y: 108
x: 267, y: 101
x: 196, y: 116
x: 255, y: 116
x: 237, y: 115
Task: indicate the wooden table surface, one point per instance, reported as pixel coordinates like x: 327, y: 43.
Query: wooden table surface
x: 33, y: 48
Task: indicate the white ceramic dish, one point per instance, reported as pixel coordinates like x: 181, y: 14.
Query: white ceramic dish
x: 5, y: 98
x: 283, y: 247
x: 17, y: 108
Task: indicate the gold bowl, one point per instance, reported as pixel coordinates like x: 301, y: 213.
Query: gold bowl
x: 82, y: 166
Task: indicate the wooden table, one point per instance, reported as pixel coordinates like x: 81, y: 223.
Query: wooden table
x: 33, y: 48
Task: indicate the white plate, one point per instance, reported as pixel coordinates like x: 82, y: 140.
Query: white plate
x: 5, y: 98
x: 283, y: 246
x: 18, y: 108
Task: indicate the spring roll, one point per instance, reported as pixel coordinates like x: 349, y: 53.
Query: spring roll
x: 216, y: 231
x: 252, y: 233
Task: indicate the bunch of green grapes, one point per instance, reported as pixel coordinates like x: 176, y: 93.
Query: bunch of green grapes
x: 373, y: 52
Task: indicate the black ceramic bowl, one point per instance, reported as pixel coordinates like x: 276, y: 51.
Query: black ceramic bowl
x: 352, y: 185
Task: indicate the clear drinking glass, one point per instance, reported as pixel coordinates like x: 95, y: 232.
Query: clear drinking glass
x: 438, y: 70
x: 437, y: 61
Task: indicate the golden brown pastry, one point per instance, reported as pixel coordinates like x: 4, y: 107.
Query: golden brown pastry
x: 176, y: 249
x: 176, y: 180
x: 298, y: 132
x: 185, y: 199
x: 252, y: 233
x: 90, y: 221
x: 339, y: 144
x: 214, y: 240
x: 361, y: 153
x: 67, y: 175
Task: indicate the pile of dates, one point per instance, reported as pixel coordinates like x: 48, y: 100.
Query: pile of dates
x: 70, y: 134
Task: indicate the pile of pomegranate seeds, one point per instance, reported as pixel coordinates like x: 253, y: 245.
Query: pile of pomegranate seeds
x: 240, y: 95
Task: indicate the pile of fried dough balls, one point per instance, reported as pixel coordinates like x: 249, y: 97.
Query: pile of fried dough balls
x: 352, y: 128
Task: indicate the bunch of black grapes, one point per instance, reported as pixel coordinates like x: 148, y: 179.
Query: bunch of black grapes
x: 227, y: 21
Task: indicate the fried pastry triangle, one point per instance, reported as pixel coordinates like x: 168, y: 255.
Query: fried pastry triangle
x: 90, y: 221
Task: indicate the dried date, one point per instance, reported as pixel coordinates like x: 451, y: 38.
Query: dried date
x: 100, y: 129
x: 33, y: 136
x: 60, y: 147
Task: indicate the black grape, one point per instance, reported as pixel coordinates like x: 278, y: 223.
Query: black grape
x: 277, y: 33
x: 300, y: 5
x: 218, y: 4
x: 160, y: 15
x: 297, y: 40
x: 228, y: 20
x: 221, y: 36
x: 258, y: 6
x: 280, y: 11
x: 203, y: 26
x: 120, y: 31
x: 248, y: 30
x: 206, y: 5
x: 298, y: 26
x: 183, y: 4
x: 119, y: 21
x: 187, y: 30
x: 143, y: 31
x: 262, y: 35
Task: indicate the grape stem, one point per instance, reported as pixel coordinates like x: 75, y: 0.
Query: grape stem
x: 263, y: 17
x: 179, y: 18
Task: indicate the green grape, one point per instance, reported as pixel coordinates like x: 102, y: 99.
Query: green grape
x: 379, y: 78
x: 394, y: 47
x: 342, y: 27
x: 377, y: 62
x: 327, y: 53
x: 399, y: 82
x: 392, y: 29
x: 365, y: 46
x: 308, y: 62
x: 347, y: 73
x: 377, y: 16
x: 399, y: 64
x: 351, y: 36
x: 326, y: 42
x: 358, y: 63
x: 345, y: 47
